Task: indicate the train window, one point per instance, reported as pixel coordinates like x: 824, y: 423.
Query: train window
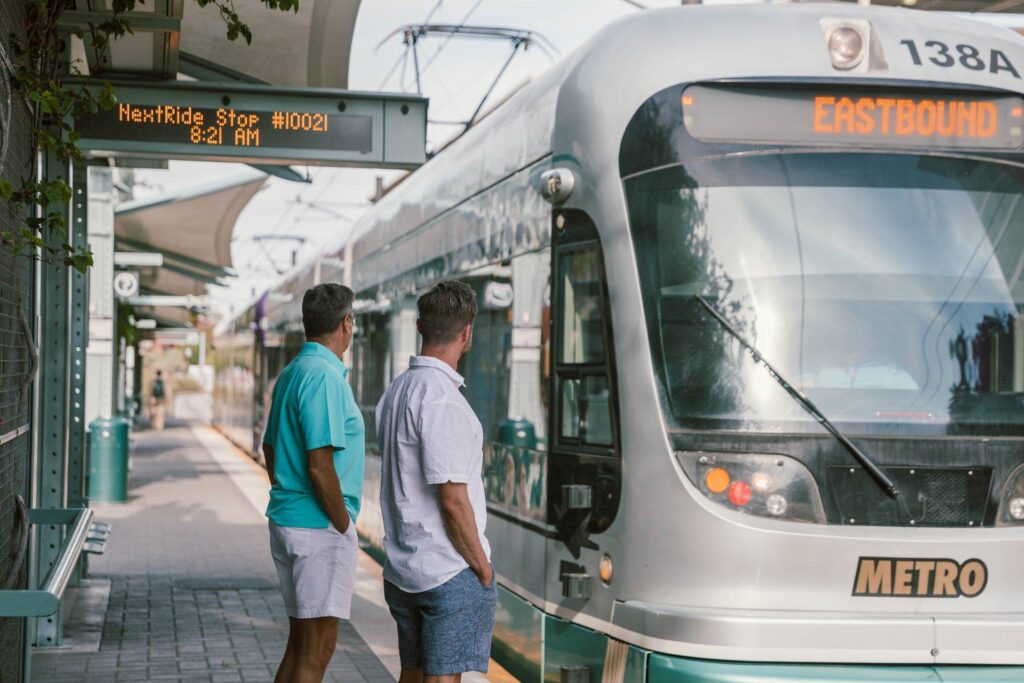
x: 486, y: 368
x: 597, y: 417
x: 370, y: 361
x: 585, y: 421
x: 528, y: 353
x: 507, y: 380
x: 884, y: 287
x: 582, y: 329
x: 570, y: 409
x: 583, y: 387
x: 585, y: 407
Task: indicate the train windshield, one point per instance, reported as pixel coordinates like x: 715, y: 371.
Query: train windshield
x: 885, y: 287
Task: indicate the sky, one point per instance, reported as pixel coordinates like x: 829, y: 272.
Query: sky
x: 455, y: 74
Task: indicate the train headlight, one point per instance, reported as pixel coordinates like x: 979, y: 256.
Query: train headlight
x: 776, y: 505
x: 1011, y: 504
x: 849, y: 45
x: 761, y: 484
x: 846, y: 47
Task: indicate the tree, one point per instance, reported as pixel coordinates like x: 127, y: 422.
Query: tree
x: 33, y: 72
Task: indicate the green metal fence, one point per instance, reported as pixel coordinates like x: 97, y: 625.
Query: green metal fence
x: 16, y: 358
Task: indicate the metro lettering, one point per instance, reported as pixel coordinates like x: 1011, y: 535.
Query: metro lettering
x: 924, y: 572
x: 911, y: 577
x: 874, y: 578
x: 904, y: 576
x: 945, y: 573
x: 973, y: 577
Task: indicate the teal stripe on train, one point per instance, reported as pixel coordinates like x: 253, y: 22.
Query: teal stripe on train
x: 664, y: 669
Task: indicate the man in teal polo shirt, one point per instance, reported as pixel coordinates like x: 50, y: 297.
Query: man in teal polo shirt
x: 314, y: 446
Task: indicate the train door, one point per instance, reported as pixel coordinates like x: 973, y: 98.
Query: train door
x: 584, y: 470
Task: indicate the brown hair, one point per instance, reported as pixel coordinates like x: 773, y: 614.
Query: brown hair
x: 445, y: 310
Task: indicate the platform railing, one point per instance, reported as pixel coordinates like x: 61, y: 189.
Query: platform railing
x: 44, y: 601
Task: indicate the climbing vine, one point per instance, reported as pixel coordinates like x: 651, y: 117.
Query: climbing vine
x: 33, y: 72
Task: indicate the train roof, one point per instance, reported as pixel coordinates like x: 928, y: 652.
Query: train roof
x: 631, y: 59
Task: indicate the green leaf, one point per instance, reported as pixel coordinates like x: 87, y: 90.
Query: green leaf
x: 107, y: 97
x: 81, y: 261
x: 6, y: 190
x: 56, y: 191
x: 57, y: 224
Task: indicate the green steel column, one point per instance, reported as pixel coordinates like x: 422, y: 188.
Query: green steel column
x: 52, y: 449
x: 77, y: 466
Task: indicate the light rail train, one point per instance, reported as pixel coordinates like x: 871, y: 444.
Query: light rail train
x: 750, y: 355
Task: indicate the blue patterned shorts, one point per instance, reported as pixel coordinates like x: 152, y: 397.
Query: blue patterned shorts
x: 445, y: 630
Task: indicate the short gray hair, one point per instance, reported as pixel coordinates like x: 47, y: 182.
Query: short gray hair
x: 324, y: 307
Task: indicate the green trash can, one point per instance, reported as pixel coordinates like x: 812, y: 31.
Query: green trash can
x: 108, y: 460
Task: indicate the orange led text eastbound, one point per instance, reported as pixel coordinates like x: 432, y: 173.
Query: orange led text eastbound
x: 905, y: 117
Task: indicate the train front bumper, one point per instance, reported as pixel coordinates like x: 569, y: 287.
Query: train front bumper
x: 811, y: 637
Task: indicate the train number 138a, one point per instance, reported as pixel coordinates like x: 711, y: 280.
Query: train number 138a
x: 967, y: 56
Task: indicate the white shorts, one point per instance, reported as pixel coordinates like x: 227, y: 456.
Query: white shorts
x: 317, y: 569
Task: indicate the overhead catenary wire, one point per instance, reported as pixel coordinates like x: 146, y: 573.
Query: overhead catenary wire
x: 442, y: 46
x: 404, y: 58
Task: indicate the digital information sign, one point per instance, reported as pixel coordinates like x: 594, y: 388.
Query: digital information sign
x: 830, y: 116
x: 258, y: 124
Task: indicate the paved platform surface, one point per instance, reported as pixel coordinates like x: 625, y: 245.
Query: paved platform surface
x: 192, y: 589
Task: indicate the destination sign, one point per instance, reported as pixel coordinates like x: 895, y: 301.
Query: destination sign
x: 829, y: 116
x: 258, y: 124
x: 228, y: 127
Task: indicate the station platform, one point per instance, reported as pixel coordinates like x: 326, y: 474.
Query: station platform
x: 186, y: 589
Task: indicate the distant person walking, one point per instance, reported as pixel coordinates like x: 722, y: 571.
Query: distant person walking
x: 314, y: 446
x: 158, y: 402
x: 438, y: 580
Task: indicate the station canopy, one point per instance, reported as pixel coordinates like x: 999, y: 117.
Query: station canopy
x: 192, y: 229
x: 174, y: 40
x: 172, y: 37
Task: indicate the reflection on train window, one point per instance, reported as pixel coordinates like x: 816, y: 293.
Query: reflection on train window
x: 529, y: 355
x: 486, y: 367
x: 369, y: 372
x: 890, y: 290
x: 506, y: 370
x: 570, y: 397
x: 597, y: 416
x: 582, y: 333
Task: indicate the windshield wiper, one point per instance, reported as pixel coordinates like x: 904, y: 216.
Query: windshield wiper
x: 860, y: 456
